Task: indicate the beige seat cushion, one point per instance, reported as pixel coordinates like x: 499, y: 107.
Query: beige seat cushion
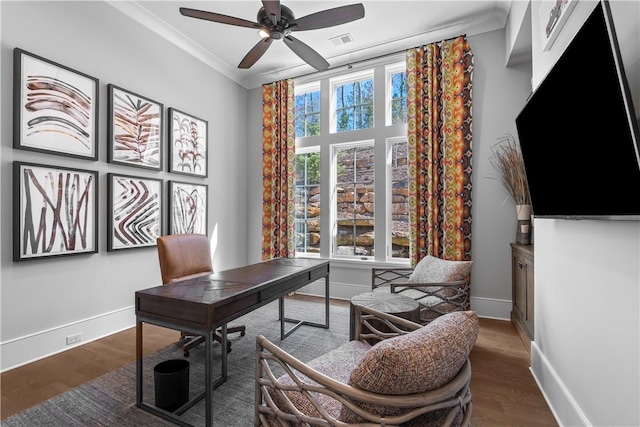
x: 336, y: 364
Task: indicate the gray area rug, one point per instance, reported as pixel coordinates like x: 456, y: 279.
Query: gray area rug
x: 110, y: 399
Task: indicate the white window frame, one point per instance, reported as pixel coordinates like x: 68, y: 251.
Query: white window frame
x: 308, y: 150
x: 389, y: 71
x: 340, y: 80
x: 334, y: 197
x: 306, y: 88
x: 327, y: 81
x: 389, y: 198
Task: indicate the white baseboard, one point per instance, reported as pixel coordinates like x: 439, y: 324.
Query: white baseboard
x: 492, y: 308
x: 562, y: 404
x: 30, y: 348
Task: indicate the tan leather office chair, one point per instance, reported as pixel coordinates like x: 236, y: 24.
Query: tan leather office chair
x: 187, y: 256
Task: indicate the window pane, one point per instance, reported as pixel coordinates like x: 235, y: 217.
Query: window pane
x: 355, y: 201
x: 354, y: 105
x: 366, y: 91
x: 399, y: 201
x: 307, y: 109
x: 313, y: 124
x: 307, y: 193
x: 399, y: 98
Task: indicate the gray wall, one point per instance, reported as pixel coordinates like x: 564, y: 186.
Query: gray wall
x: 45, y: 300
x: 586, y: 352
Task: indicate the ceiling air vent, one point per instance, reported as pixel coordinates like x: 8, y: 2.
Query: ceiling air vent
x: 340, y: 40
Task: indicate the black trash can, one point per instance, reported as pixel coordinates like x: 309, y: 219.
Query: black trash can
x: 171, y: 379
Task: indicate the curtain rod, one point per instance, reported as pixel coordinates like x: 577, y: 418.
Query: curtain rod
x: 351, y: 64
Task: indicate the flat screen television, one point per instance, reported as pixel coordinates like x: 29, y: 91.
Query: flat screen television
x: 579, y: 134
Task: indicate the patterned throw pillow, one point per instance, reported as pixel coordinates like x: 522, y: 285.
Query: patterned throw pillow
x: 420, y: 361
x: 433, y: 270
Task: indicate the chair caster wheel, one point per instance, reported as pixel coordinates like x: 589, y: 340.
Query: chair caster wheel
x: 242, y: 333
x: 186, y: 354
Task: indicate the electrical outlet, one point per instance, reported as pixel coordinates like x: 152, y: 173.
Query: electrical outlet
x: 72, y: 339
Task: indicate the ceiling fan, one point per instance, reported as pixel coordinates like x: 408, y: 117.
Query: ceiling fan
x: 277, y: 22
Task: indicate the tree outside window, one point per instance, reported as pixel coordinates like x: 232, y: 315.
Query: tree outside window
x: 354, y: 105
x: 398, y: 97
x: 307, y: 108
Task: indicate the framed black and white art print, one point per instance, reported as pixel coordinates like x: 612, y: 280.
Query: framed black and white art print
x: 134, y: 129
x: 187, y: 208
x: 135, y: 211
x: 188, y: 144
x: 55, y: 211
x: 55, y: 108
x: 553, y: 15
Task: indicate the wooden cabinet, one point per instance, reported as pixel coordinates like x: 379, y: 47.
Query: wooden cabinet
x: 522, y: 290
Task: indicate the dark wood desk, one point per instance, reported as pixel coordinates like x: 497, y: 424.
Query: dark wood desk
x: 200, y: 306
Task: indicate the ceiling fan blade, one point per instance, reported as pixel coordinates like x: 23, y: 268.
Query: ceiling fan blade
x: 272, y: 7
x: 217, y: 17
x: 329, y: 17
x: 255, y: 53
x: 307, y: 54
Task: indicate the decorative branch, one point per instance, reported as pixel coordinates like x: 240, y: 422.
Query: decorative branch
x: 506, y: 158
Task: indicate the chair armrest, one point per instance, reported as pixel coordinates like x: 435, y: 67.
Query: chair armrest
x: 370, y: 323
x: 277, y: 398
x: 427, y: 287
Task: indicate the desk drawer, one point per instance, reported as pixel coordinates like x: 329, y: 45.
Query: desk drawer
x: 236, y: 308
x: 278, y: 290
x: 180, y: 312
x: 319, y: 272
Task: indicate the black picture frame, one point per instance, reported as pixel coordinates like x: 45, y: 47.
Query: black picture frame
x: 55, y: 211
x: 188, y: 144
x: 55, y: 108
x: 188, y: 207
x: 135, y: 128
x: 135, y: 211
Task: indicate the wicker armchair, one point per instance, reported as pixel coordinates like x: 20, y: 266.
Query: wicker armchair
x: 447, y: 293
x: 422, y: 381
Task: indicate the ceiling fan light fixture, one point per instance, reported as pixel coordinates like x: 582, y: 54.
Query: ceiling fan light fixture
x: 275, y: 21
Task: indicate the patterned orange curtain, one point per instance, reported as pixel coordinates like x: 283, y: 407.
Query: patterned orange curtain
x: 439, y: 77
x: 278, y: 169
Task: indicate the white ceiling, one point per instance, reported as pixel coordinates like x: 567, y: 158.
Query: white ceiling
x: 388, y: 26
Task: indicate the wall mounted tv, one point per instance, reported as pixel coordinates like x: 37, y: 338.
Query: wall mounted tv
x: 579, y: 131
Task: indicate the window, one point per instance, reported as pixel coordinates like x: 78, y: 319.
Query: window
x: 354, y: 199
x: 307, y: 108
x: 396, y: 94
x: 352, y: 102
x: 363, y: 175
x: 307, y: 194
x: 398, y: 195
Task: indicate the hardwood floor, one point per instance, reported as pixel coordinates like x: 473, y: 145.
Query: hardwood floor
x: 504, y: 391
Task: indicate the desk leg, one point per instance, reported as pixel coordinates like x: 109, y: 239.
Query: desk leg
x: 210, y: 384
x: 299, y: 323
x: 223, y: 351
x: 281, y: 317
x: 138, y: 364
x: 327, y: 301
x: 208, y: 409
